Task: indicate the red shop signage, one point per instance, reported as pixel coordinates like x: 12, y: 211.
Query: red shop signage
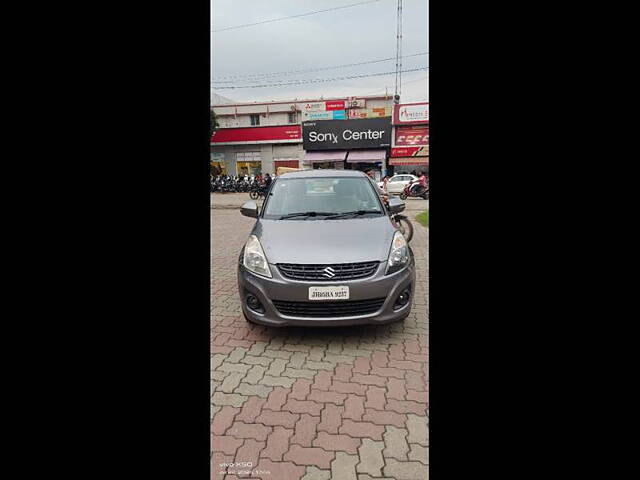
x: 256, y: 134
x: 412, y: 136
x: 410, y: 152
x: 337, y: 105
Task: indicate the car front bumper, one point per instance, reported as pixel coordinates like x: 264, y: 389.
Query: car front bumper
x: 280, y: 288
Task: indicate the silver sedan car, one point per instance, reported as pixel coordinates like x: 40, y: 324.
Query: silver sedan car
x: 324, y: 252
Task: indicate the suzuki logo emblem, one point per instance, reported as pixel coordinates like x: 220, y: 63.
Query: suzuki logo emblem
x: 329, y: 273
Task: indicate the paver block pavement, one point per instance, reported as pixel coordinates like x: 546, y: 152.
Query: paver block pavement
x: 344, y: 466
x: 371, y: 460
x: 314, y: 404
x: 309, y: 456
x: 406, y: 470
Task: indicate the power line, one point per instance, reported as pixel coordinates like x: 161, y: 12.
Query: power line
x: 421, y: 79
x: 319, y: 80
x: 256, y: 76
x: 293, y: 16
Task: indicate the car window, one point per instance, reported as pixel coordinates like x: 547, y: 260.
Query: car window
x: 332, y: 195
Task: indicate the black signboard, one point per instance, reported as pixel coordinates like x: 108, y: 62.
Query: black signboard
x: 346, y: 134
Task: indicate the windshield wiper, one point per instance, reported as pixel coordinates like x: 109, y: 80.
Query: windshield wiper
x: 303, y: 214
x: 355, y: 212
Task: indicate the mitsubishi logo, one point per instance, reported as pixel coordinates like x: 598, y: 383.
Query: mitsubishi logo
x: 328, y: 272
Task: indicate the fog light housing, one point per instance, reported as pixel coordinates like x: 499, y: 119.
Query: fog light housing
x: 254, y: 304
x: 403, y: 299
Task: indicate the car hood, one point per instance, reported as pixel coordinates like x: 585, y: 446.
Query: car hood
x: 325, y: 241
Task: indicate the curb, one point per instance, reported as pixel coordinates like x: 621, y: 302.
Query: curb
x: 225, y: 207
x: 228, y: 207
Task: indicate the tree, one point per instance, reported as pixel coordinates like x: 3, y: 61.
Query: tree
x: 213, y: 123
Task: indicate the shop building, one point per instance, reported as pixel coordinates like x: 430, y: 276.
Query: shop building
x: 355, y: 144
x: 257, y: 138
x: 410, y: 138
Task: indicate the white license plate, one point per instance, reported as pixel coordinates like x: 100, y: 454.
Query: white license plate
x: 328, y: 293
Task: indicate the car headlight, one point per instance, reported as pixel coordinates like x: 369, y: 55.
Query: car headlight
x: 398, y: 255
x: 254, y: 259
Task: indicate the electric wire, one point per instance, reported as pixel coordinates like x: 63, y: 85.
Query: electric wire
x: 257, y: 76
x: 318, y: 80
x: 292, y: 16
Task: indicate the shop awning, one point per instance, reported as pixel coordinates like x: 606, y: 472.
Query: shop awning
x: 325, y: 156
x: 365, y: 156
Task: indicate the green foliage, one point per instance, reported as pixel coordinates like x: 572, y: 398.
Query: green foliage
x: 423, y: 218
x: 213, y: 123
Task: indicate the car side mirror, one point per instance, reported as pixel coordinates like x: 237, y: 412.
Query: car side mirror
x: 396, y: 205
x: 249, y: 209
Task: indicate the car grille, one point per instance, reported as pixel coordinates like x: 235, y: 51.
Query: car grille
x: 329, y: 309
x: 339, y: 271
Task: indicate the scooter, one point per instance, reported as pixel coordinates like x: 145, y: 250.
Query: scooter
x: 408, y: 192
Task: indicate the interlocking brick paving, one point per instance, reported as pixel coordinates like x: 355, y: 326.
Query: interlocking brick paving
x: 304, y: 403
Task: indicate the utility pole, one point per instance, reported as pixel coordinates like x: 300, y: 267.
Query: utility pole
x: 398, y: 91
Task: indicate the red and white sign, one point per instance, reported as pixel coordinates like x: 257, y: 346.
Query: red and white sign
x: 335, y: 105
x: 411, y: 113
x: 323, y: 106
x: 410, y: 152
x: 405, y: 136
x: 285, y: 133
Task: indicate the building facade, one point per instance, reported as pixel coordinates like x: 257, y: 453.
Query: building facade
x: 255, y: 138
x: 410, y: 148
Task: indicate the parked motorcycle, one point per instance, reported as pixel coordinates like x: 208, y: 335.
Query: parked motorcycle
x: 257, y: 192
x: 404, y: 225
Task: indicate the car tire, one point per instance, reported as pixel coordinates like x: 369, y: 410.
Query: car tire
x: 403, y: 196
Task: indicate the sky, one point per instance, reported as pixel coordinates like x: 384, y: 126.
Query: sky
x: 361, y: 33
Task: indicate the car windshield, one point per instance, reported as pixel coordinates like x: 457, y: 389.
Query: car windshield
x: 316, y: 198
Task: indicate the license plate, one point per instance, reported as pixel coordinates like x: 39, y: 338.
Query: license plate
x: 328, y: 293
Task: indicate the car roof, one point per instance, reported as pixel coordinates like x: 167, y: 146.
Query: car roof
x: 320, y: 173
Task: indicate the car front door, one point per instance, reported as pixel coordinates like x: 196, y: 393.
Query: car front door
x: 398, y: 183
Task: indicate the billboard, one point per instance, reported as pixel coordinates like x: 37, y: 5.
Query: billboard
x: 410, y: 152
x: 326, y: 115
x: 322, y: 106
x: 411, y: 113
x: 346, y: 134
x: 370, y: 112
x: 256, y: 134
x: 353, y: 102
x: 415, y: 135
